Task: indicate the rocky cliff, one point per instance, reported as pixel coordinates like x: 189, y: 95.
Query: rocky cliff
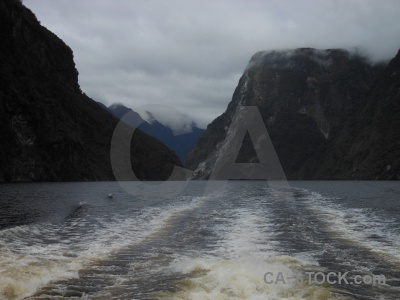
x: 50, y: 130
x: 325, y: 112
x: 368, y: 146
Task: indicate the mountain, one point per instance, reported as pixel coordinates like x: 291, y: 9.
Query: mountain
x: 369, y: 145
x: 119, y: 111
x: 180, y: 142
x: 330, y: 114
x: 50, y: 130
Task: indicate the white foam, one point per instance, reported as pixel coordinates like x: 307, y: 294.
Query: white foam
x: 245, y: 251
x: 246, y: 231
x: 358, y: 225
x: 28, y: 261
x: 241, y: 278
x: 21, y: 275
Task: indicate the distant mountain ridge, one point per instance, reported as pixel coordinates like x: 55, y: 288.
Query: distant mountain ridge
x: 180, y: 143
x: 49, y: 129
x: 330, y: 115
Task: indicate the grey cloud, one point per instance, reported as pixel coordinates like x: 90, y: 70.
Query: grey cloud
x: 190, y: 54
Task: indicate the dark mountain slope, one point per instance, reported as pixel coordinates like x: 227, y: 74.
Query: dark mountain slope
x: 120, y: 111
x: 369, y: 145
x: 306, y: 97
x: 50, y: 130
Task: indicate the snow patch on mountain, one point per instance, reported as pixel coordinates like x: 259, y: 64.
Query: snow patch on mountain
x: 179, y: 123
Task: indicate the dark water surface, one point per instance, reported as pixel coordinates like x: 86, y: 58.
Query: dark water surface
x: 70, y: 240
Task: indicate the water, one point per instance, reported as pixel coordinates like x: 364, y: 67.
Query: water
x: 69, y: 240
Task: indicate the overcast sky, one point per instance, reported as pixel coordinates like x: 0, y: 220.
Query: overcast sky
x: 189, y: 54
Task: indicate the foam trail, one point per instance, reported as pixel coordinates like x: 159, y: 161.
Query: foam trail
x: 235, y: 270
x: 358, y: 225
x: 32, y: 256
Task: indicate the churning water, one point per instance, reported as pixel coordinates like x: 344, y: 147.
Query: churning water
x: 70, y: 240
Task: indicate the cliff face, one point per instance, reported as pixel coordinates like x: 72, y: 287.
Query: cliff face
x: 50, y: 130
x: 368, y: 147
x: 309, y: 101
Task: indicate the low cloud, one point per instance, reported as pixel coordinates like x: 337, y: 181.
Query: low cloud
x: 190, y: 54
